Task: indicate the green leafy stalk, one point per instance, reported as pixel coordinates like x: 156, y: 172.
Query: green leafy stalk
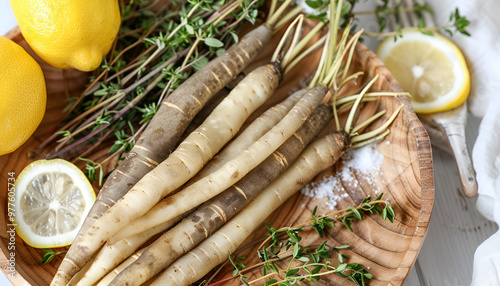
x: 49, y: 255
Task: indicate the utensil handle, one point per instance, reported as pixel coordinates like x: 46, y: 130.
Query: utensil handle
x: 456, y: 138
x: 452, y: 124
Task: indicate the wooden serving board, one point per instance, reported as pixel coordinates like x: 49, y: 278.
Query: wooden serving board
x: 405, y: 178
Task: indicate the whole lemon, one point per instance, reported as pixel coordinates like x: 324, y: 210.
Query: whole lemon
x: 22, y: 95
x: 69, y: 33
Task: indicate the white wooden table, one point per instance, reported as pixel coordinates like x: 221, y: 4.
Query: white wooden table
x: 456, y: 227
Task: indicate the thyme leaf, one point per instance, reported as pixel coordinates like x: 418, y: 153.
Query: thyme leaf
x: 309, y: 263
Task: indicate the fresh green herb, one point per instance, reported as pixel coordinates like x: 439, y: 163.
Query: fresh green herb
x: 345, y: 216
x: 49, y: 255
x: 154, y: 53
x: 310, y: 263
x: 457, y: 22
x: 92, y: 168
x: 238, y: 267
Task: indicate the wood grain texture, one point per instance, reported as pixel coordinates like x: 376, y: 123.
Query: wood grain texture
x: 406, y: 179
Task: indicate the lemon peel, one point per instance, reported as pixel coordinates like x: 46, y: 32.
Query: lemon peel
x: 22, y: 93
x: 431, y: 67
x: 69, y: 34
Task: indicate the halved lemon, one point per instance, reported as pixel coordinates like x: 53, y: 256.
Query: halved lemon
x: 52, y: 199
x: 430, y: 67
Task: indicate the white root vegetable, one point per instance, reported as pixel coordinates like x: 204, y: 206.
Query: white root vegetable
x: 162, y: 134
x: 232, y: 171
x: 213, y: 214
x: 213, y: 251
x: 111, y: 275
x: 253, y: 132
x: 209, y: 107
x: 111, y: 256
x: 79, y: 275
x: 197, y: 149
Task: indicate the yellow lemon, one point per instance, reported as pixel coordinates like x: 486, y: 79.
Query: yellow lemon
x: 52, y: 198
x: 430, y: 67
x: 22, y: 95
x: 69, y: 33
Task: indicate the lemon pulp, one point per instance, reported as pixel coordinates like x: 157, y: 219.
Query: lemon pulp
x: 52, y: 199
x: 430, y: 67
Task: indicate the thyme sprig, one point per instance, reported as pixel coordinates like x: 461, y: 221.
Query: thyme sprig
x: 457, y: 22
x: 309, y: 262
x: 345, y: 216
x: 49, y: 255
x: 154, y: 53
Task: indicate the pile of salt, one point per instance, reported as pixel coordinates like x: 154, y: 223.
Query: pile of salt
x: 363, y: 161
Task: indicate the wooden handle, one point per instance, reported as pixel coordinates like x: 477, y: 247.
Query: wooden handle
x: 452, y: 124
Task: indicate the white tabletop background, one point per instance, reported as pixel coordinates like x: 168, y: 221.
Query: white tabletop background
x: 7, y: 22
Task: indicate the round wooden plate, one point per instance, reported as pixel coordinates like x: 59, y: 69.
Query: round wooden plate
x: 388, y: 249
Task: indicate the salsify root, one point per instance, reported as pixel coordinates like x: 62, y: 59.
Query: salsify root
x: 223, y: 123
x: 217, y: 211
x: 113, y: 273
x: 164, y: 130
x: 111, y: 256
x: 233, y: 170
x: 198, y: 148
x: 255, y: 130
x: 213, y: 251
x: 210, y: 106
x: 318, y: 156
x: 252, y: 133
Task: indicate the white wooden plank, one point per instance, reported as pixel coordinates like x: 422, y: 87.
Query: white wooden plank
x: 412, y: 279
x: 456, y: 227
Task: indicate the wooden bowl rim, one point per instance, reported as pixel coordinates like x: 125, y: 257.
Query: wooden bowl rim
x: 424, y: 151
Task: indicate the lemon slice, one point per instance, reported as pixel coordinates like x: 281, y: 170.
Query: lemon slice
x: 430, y: 67
x: 52, y: 199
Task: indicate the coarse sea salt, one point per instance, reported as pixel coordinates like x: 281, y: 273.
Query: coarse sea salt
x: 362, y: 161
